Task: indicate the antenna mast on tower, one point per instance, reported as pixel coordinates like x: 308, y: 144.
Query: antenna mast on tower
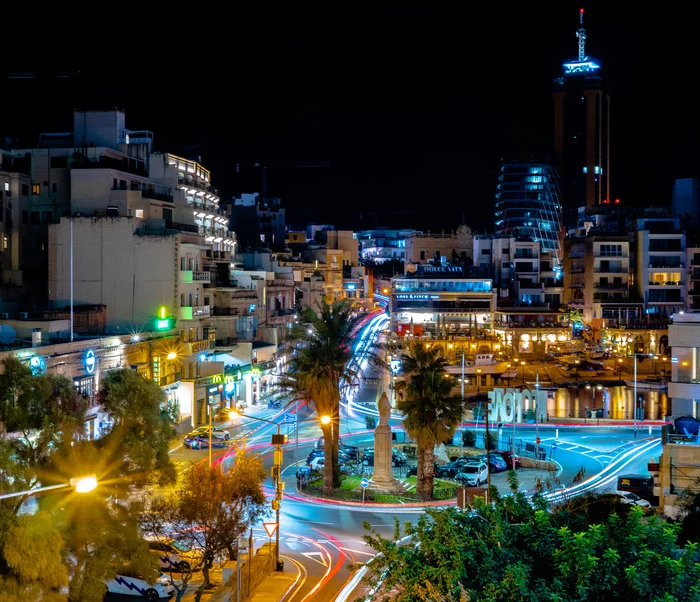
x: 581, y: 35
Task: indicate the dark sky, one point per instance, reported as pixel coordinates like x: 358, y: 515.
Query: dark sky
x: 412, y: 106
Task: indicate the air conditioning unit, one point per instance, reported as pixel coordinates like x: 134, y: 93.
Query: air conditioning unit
x: 5, y: 316
x: 23, y: 315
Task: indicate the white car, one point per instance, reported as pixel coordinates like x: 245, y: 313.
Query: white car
x: 317, y: 463
x: 132, y: 586
x: 627, y: 497
x: 174, y: 555
x: 473, y: 474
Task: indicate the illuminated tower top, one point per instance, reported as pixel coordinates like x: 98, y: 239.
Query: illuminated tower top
x: 584, y: 64
x: 581, y: 35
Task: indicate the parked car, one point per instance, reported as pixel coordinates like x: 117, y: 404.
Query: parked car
x: 495, y: 461
x: 274, y: 404
x: 221, y: 415
x: 318, y: 463
x: 174, y: 556
x: 413, y: 471
x: 508, y: 458
x: 450, y: 470
x: 398, y: 458
x: 319, y: 453
x: 201, y: 441
x: 627, y: 497
x: 350, y: 450
x: 133, y: 586
x: 216, y: 431
x: 473, y: 475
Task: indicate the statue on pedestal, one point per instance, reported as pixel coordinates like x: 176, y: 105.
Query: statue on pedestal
x: 383, y: 477
x: 384, y: 407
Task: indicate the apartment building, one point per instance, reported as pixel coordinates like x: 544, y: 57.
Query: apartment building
x: 428, y: 247
x: 661, y: 275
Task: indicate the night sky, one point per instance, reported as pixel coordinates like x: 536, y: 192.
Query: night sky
x: 412, y: 109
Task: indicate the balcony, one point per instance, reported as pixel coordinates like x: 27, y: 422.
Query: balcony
x: 149, y: 193
x: 126, y: 164
x: 188, y: 312
x: 198, y: 185
x: 611, y: 286
x: 610, y: 270
x: 219, y: 255
x: 196, y: 347
x: 188, y: 277
x: 276, y: 313
x: 226, y: 311
x: 667, y: 283
x: 169, y: 379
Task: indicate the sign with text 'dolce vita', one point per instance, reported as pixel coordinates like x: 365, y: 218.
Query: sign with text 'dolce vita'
x: 508, y: 405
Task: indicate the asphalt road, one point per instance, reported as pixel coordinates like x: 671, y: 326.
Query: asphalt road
x: 324, y: 538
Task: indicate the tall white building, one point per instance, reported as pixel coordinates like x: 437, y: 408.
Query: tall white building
x: 661, y: 255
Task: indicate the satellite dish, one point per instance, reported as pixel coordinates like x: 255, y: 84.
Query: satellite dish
x: 7, y: 334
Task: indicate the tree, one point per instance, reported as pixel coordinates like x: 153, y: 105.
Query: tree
x: 516, y: 549
x: 214, y: 507
x: 43, y: 413
x: 34, y: 568
x: 319, y: 371
x: 431, y: 411
x: 143, y: 424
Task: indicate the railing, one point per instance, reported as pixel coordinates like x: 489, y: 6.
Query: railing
x: 225, y: 311
x: 169, y: 379
x: 201, y: 276
x: 666, y: 265
x: 194, y: 229
x: 609, y: 271
x: 667, y: 283
x: 198, y: 185
x: 276, y: 313
x: 158, y: 196
x: 611, y: 285
x: 201, y: 310
x: 125, y: 164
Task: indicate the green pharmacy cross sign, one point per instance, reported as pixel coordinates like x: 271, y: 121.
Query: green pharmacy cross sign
x: 164, y: 322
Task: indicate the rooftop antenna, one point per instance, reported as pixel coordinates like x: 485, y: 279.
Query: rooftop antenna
x: 581, y: 35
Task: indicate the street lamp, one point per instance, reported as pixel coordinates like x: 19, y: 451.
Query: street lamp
x: 478, y: 380
x: 620, y: 361
x: 277, y: 441
x: 656, y: 357
x: 84, y: 484
x: 576, y: 363
x: 523, y: 365
x: 508, y: 373
x: 321, y: 419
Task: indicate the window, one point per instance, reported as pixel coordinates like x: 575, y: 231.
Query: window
x: 25, y: 189
x: 35, y: 217
x: 25, y: 217
x: 206, y: 300
x: 59, y: 162
x: 168, y: 216
x: 139, y: 213
x: 2, y: 211
x: 36, y: 188
x: 7, y: 187
x: 48, y: 217
x: 486, y: 251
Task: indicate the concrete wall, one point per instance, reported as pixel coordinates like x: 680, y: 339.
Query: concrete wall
x: 252, y: 575
x: 679, y: 471
x: 132, y: 275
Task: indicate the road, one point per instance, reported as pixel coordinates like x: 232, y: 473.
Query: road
x: 324, y: 538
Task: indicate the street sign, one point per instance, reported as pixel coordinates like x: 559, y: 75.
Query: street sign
x: 270, y: 528
x: 290, y: 418
x: 364, y: 482
x: 554, y: 446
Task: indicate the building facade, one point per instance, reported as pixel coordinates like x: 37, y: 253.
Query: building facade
x: 528, y: 204
x: 661, y: 274
x: 451, y: 247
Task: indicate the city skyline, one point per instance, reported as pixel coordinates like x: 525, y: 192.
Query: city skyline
x: 409, y: 110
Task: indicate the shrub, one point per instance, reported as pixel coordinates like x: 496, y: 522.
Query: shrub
x: 469, y: 438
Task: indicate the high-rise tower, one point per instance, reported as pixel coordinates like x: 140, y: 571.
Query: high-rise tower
x: 582, y: 132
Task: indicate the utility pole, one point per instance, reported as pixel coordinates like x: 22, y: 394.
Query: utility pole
x: 278, y: 440
x: 488, y: 457
x: 635, y: 394
x: 537, y: 424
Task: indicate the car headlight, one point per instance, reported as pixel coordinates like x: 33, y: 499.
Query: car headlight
x: 163, y: 580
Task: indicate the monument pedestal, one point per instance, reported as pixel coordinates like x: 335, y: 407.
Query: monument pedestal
x: 383, y: 476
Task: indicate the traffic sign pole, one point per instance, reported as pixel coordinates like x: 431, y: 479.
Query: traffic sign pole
x: 365, y: 483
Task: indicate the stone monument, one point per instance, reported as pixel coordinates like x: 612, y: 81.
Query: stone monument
x: 383, y: 477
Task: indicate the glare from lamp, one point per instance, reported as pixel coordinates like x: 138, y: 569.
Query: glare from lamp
x: 84, y: 484
x: 172, y: 355
x: 233, y: 414
x: 325, y: 419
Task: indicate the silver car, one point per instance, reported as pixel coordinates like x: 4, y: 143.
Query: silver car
x: 473, y: 474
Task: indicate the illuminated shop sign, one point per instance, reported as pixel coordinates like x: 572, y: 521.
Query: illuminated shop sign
x: 422, y: 297
x: 89, y: 361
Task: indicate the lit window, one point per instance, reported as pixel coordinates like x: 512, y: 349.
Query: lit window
x: 585, y: 170
x: 139, y: 213
x: 36, y: 188
x: 7, y: 187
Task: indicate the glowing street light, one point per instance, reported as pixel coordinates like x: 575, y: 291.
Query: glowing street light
x: 84, y: 484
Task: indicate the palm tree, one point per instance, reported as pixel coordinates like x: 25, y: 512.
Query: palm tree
x: 320, y: 370
x: 431, y: 410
